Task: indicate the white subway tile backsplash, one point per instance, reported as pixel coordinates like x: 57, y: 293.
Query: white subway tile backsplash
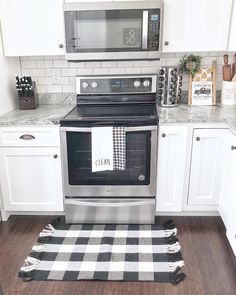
x: 92, y: 64
x: 173, y: 61
x: 149, y: 70
x: 50, y: 72
x: 109, y: 64
x: 82, y: 72
x: 68, y: 88
x: 133, y: 70
x: 28, y: 64
x: 44, y: 64
x: 116, y: 71
x: 68, y: 72
x: 38, y: 57
x: 37, y: 72
x: 100, y: 71
x: 49, y: 57
x: 76, y: 64
x: 141, y: 63
x: 41, y: 89
x: 125, y: 64
x: 55, y: 74
x: 54, y: 88
x: 58, y: 63
x: 45, y: 81
x: 64, y: 81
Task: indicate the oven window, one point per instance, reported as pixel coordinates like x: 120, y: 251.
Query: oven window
x: 105, y: 31
x: 138, y: 157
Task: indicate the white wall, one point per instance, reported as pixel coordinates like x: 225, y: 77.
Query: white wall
x: 9, y: 67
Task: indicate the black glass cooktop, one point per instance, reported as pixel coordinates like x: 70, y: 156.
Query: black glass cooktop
x: 126, y: 114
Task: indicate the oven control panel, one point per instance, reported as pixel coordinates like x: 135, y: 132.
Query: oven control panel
x: 116, y: 84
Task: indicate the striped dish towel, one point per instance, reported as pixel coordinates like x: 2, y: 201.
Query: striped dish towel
x: 119, y: 148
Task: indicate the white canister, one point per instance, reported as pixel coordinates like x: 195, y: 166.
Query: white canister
x: 228, y: 95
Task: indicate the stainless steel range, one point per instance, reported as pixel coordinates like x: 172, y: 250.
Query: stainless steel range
x: 126, y: 196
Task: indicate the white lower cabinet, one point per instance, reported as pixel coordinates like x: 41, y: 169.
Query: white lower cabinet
x: 207, y: 160
x: 171, y: 167
x: 30, y: 169
x: 227, y: 207
x: 31, y: 179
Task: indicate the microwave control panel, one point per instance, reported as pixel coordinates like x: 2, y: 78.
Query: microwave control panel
x: 154, y: 29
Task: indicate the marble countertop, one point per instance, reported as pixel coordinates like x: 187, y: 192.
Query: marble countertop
x: 50, y: 114
x: 45, y: 114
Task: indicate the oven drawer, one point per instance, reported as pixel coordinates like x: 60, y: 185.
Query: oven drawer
x: 110, y: 211
x: 30, y: 136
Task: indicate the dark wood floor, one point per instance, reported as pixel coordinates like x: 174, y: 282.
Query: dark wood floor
x: 209, y: 262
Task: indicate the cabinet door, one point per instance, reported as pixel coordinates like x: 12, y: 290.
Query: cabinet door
x: 31, y: 179
x: 171, y: 168
x: 232, y: 39
x: 196, y: 25
x: 227, y: 206
x: 206, y: 167
x: 32, y: 27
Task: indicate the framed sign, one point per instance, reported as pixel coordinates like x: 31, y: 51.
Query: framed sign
x: 202, y: 87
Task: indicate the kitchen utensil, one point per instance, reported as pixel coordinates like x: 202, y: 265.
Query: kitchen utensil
x: 226, y: 69
x: 27, y: 95
x: 234, y: 66
x: 170, y: 83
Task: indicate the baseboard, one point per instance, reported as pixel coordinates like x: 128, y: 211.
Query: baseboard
x: 7, y: 214
x: 188, y: 213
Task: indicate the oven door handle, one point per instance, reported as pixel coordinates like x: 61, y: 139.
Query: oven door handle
x: 109, y: 204
x: 127, y: 129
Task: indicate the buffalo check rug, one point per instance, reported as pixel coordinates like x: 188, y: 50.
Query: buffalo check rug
x: 105, y: 252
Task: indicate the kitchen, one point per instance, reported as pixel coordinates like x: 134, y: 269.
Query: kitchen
x: 195, y: 145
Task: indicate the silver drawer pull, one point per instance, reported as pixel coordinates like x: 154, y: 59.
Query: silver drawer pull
x: 27, y: 137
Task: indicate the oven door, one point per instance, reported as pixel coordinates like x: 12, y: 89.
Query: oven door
x: 112, y: 30
x: 137, y: 180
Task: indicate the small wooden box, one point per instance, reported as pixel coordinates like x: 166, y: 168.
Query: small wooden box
x: 29, y: 102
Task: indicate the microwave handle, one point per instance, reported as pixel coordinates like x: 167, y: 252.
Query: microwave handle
x: 145, y: 30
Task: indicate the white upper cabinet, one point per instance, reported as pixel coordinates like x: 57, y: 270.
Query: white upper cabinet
x: 171, y: 168
x: 196, y: 25
x: 32, y: 27
x: 232, y: 35
x: 208, y: 151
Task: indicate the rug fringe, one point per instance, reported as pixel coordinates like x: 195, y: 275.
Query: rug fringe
x: 169, y: 224
x: 46, y: 234
x: 30, y: 264
x: 170, y: 232
x: 174, y: 265
x: 173, y: 248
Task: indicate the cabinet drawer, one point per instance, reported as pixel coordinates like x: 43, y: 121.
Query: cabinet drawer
x: 29, y: 136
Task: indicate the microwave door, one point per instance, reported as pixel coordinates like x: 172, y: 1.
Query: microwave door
x: 106, y: 31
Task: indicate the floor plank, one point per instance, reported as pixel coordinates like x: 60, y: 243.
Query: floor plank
x: 210, y: 264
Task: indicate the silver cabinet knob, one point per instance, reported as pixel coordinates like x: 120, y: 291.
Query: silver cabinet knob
x: 197, y: 138
x: 61, y: 46
x: 166, y: 43
x: 233, y: 147
x: 163, y: 135
x: 55, y: 156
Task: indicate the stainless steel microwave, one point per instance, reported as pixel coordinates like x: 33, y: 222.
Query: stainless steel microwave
x: 124, y: 30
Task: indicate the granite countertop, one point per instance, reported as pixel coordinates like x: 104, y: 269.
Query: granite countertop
x: 50, y: 114
x: 45, y: 114
x: 199, y: 114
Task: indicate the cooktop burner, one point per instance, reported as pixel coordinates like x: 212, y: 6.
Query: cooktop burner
x: 128, y: 114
